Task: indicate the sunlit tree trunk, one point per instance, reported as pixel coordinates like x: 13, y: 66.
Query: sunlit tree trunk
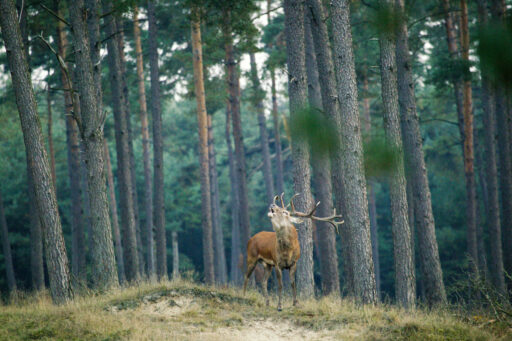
x: 56, y: 257
x: 353, y: 182
x: 51, y: 149
x: 208, y: 255
x: 148, y: 189
x: 175, y: 256
x: 405, y: 282
x: 158, y: 151
x: 91, y: 120
x: 36, y: 237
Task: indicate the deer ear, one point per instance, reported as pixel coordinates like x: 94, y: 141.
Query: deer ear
x: 296, y: 220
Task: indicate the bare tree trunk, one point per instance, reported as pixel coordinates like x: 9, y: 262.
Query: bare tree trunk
x: 158, y: 148
x: 131, y: 154
x: 326, y: 239
x: 259, y: 96
x: 208, y: 255
x: 131, y: 259
x: 46, y: 200
x: 148, y: 190
x: 351, y: 149
x: 405, y: 282
x: 498, y: 9
x: 491, y: 170
x: 372, y: 207
x: 175, y: 256
x: 236, y: 274
x: 78, y: 264
x: 430, y: 265
x: 297, y: 90
x: 6, y: 248
x: 234, y: 98
x: 51, y: 149
x: 36, y: 238
x: 91, y: 120
x: 113, y: 210
x: 221, y: 275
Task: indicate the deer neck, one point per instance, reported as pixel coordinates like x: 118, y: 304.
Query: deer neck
x: 284, y: 236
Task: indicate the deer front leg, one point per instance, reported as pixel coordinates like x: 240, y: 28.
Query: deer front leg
x: 279, y: 287
x: 293, y: 268
x: 264, y: 282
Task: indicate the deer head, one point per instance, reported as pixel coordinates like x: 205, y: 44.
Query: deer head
x: 281, y: 217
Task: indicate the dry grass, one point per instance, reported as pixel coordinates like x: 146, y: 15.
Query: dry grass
x: 182, y: 310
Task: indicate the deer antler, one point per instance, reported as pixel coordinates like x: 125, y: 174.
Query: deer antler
x: 329, y: 219
x: 282, y: 201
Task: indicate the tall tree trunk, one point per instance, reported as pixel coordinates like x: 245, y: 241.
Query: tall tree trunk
x: 6, y: 248
x: 46, y: 200
x: 405, y: 282
x: 353, y: 182
x: 158, y: 148
x: 113, y: 210
x: 430, y: 265
x: 91, y: 120
x: 236, y: 120
x: 51, y: 149
x: 131, y: 259
x: 36, y: 237
x: 208, y: 255
x: 297, y: 90
x: 491, y: 170
x: 462, y: 90
x: 78, y: 264
x: 236, y: 274
x: 259, y: 96
x: 175, y: 256
x: 321, y: 169
x: 505, y: 176
x: 372, y: 206
x: 221, y: 275
x: 131, y: 154
x: 148, y: 190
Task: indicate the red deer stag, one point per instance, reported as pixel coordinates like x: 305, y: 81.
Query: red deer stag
x: 280, y: 249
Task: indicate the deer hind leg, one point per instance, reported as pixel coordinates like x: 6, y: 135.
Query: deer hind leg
x: 264, y: 282
x: 279, y: 276
x: 293, y: 268
x: 251, y: 264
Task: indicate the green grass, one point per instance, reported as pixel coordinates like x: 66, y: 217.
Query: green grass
x: 187, y: 311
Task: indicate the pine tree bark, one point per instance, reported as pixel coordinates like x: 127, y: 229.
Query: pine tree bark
x: 233, y: 80
x: 131, y: 259
x: 51, y: 149
x: 91, y: 120
x: 236, y: 274
x: 491, y: 170
x: 372, y: 206
x: 46, y: 200
x: 158, y: 148
x: 148, y: 190
x: 405, y: 282
x: 297, y: 91
x: 6, y: 248
x: 175, y: 256
x: 36, y: 237
x: 259, y: 96
x: 326, y: 239
x: 430, y: 265
x: 221, y: 276
x: 352, y: 173
x: 78, y: 265
x: 118, y: 248
x: 206, y: 206
x: 131, y: 154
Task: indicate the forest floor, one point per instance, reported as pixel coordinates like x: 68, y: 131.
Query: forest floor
x: 181, y: 310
